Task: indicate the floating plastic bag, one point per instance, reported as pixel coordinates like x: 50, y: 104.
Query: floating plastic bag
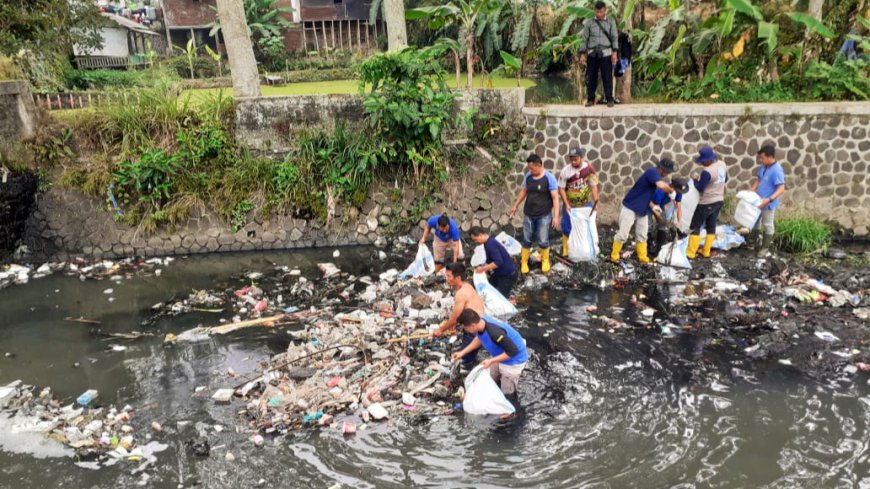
x: 688, y: 205
x: 510, y: 243
x: 494, y: 304
x: 478, y: 258
x: 583, y: 241
x: 727, y: 238
x: 747, y: 212
x: 483, y: 396
x: 673, y: 254
x: 424, y: 264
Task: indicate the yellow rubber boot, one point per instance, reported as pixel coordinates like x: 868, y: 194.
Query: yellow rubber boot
x: 692, y: 249
x: 641, y: 253
x: 617, y: 249
x: 564, y: 246
x: 545, y: 260
x: 708, y: 245
x: 524, y: 263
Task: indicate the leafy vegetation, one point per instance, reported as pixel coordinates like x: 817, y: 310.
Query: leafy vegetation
x: 266, y: 26
x: 802, y: 235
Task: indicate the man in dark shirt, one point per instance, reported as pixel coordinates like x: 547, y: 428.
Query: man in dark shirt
x: 504, y: 343
x: 541, y: 193
x: 599, y: 43
x: 498, y: 261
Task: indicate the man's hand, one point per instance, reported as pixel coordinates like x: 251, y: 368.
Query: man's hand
x: 764, y: 203
x: 456, y: 356
x: 487, y: 363
x: 557, y: 222
x: 582, y: 59
x: 568, y: 208
x: 613, y: 57
x: 513, y: 211
x: 480, y: 269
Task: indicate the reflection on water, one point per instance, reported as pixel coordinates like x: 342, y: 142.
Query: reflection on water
x: 599, y: 409
x: 552, y: 90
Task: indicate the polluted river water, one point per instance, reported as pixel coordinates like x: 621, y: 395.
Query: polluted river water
x: 598, y: 408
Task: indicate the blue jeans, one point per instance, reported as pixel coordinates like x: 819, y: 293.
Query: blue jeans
x: 471, y: 358
x: 537, y: 228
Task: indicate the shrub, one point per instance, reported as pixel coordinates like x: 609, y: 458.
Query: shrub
x: 802, y: 235
x: 110, y: 79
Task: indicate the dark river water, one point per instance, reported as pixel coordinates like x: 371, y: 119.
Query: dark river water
x: 599, y: 409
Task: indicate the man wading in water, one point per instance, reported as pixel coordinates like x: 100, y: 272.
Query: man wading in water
x: 466, y: 298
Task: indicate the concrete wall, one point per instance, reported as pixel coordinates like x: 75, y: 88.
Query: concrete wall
x: 266, y: 123
x: 824, y: 148
x: 17, y: 112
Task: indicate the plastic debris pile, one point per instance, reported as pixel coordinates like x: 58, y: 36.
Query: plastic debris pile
x: 86, y: 270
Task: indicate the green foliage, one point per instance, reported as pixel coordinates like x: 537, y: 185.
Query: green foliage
x: 844, y: 80
x: 147, y: 180
x: 203, y: 66
x: 9, y: 70
x: 48, y: 27
x: 266, y: 26
x: 802, y: 235
x: 105, y: 79
x: 240, y: 214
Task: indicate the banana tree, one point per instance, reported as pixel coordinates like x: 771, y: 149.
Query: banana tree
x: 511, y: 65
x: 445, y: 44
x: 567, y: 46
x: 189, y: 52
x: 465, y: 14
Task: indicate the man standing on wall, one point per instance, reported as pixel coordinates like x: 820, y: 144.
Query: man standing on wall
x: 578, y: 187
x: 541, y: 209
x: 599, y: 45
x: 770, y: 185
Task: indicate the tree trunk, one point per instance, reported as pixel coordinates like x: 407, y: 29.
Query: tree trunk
x: 815, y: 10
x: 469, y: 58
x: 397, y: 33
x: 578, y: 80
x: 240, y: 51
x: 625, y: 86
x: 458, y: 63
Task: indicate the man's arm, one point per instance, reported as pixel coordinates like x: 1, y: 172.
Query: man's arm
x: 584, y: 42
x: 663, y: 185
x: 520, y: 199
x: 564, y: 195
x: 458, y: 307
x: 614, y: 41
x: 474, y: 345
x: 594, y: 190
x: 425, y: 234
x: 557, y: 216
x: 754, y: 186
x: 679, y: 213
x: 455, y: 250
x: 780, y: 189
x: 500, y: 337
x: 702, y: 181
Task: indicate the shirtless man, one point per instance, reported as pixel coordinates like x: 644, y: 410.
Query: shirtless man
x: 466, y: 298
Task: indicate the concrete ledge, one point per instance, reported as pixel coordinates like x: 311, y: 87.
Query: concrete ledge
x: 702, y: 110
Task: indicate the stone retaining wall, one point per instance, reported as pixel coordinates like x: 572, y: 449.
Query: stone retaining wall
x: 17, y: 112
x: 824, y: 148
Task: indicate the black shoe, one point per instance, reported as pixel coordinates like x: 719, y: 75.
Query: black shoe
x: 610, y: 103
x: 590, y: 103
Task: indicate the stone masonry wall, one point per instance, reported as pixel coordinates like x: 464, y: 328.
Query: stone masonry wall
x: 17, y: 112
x: 824, y: 149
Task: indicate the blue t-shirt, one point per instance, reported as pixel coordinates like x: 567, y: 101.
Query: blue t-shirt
x: 638, y: 198
x: 662, y: 199
x: 452, y: 234
x: 768, y: 179
x: 496, y: 253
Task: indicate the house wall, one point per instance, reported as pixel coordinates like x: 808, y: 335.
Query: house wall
x: 114, y: 44
x: 188, y: 12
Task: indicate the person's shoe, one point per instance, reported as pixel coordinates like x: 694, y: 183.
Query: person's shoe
x: 524, y: 260
x: 708, y: 245
x: 641, y: 253
x: 752, y: 240
x: 692, y: 249
x: 590, y: 103
x: 617, y: 249
x: 565, y: 246
x: 766, y: 241
x: 610, y: 103
x: 545, y: 260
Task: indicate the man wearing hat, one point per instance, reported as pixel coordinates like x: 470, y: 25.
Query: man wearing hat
x: 711, y: 185
x: 635, y: 209
x: 578, y: 187
x: 666, y: 211
x: 599, y: 43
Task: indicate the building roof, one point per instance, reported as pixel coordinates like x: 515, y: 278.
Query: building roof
x: 129, y: 24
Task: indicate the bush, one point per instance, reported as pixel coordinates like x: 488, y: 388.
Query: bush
x: 109, y: 79
x: 802, y: 235
x: 203, y: 67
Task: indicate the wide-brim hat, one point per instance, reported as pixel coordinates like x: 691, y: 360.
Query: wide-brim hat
x: 705, y: 154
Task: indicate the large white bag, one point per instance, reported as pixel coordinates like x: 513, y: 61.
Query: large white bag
x: 483, y: 396
x: 583, y: 240
x: 494, y: 304
x: 424, y: 264
x: 688, y: 204
x: 727, y: 238
x: 747, y: 212
x: 676, y: 258
x: 478, y: 258
x: 510, y: 243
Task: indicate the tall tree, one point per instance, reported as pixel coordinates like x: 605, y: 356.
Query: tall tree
x: 397, y: 33
x: 240, y: 50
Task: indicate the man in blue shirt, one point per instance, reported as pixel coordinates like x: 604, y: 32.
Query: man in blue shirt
x: 541, y: 193
x: 666, y: 211
x: 504, y: 343
x: 635, y: 208
x: 498, y: 261
x: 770, y: 185
x: 446, y: 234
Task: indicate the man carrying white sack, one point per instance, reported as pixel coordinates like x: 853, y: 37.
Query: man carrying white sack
x: 504, y: 343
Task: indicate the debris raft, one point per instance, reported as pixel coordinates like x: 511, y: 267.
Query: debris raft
x: 15, y: 274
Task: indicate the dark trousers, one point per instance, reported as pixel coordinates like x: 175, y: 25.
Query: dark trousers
x: 706, y: 215
x: 467, y: 338
x: 595, y: 66
x: 503, y: 283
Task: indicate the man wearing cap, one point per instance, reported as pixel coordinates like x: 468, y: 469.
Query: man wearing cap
x: 667, y: 210
x: 635, y: 209
x: 599, y: 43
x: 578, y: 187
x: 504, y: 343
x: 446, y: 235
x: 540, y: 191
x: 711, y: 186
x: 770, y: 185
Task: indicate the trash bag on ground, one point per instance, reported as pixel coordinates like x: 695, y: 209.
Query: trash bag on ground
x: 673, y: 254
x: 424, y: 264
x: 727, y: 238
x: 483, y: 396
x: 494, y: 304
x: 510, y: 243
x: 688, y: 205
x: 747, y: 212
x: 583, y: 241
x: 478, y: 258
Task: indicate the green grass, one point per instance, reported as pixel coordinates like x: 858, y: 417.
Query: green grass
x: 344, y: 87
x: 802, y: 234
